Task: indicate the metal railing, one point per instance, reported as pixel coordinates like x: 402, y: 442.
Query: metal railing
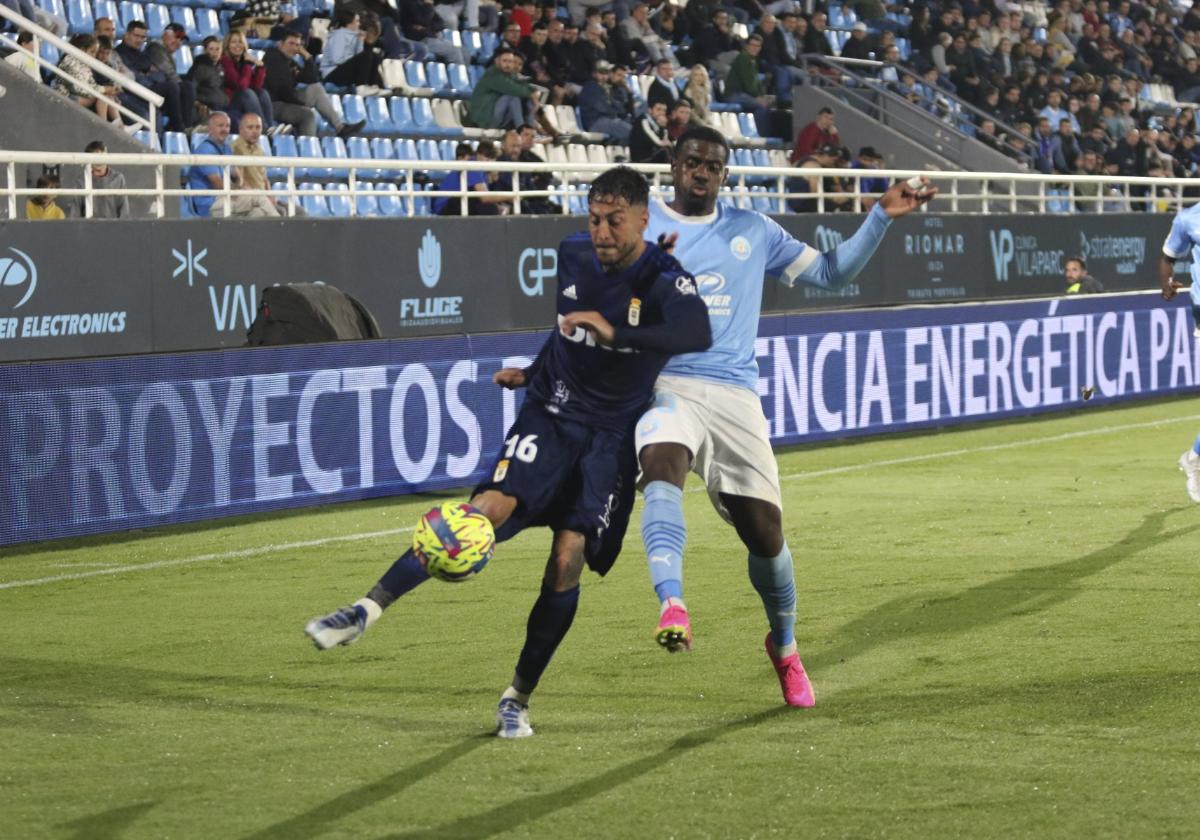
x: 772, y: 189
x: 152, y: 99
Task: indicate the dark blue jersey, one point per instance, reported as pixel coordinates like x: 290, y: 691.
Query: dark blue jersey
x: 656, y: 313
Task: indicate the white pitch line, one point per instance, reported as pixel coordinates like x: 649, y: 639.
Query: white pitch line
x: 204, y: 558
x: 270, y: 549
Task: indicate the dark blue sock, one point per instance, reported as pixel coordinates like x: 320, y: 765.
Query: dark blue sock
x: 405, y: 574
x: 549, y: 621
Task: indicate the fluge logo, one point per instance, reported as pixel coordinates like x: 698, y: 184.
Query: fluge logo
x: 429, y: 259
x: 15, y: 273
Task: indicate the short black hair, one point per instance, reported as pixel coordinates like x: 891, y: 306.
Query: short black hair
x: 24, y: 37
x: 702, y: 134
x: 1082, y: 262
x: 621, y: 182
x: 95, y: 146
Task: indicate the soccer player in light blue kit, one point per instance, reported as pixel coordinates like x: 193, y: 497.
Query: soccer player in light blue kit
x: 706, y: 415
x: 1184, y: 238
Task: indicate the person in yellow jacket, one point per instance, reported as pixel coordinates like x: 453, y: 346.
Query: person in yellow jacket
x: 44, y: 206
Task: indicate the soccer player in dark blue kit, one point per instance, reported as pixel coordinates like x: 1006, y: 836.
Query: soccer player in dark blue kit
x: 625, y: 307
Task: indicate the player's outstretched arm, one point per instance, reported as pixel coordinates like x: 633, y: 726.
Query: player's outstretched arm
x: 906, y: 196
x: 1166, y: 277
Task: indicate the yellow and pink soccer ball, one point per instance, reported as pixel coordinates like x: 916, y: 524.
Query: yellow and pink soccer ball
x: 454, y: 541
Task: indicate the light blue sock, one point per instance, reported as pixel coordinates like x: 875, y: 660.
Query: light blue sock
x: 1196, y: 445
x: 664, y: 534
x: 775, y: 582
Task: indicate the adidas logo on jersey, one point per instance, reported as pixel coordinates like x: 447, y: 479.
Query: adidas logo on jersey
x: 569, y: 292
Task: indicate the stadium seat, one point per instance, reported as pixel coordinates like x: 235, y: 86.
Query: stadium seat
x: 379, y: 119
x: 335, y: 102
x: 198, y: 137
x: 340, y: 206
x: 471, y: 44
x: 367, y: 204
x: 130, y: 11
x: 747, y: 126
x: 183, y: 60
x: 487, y: 46
x: 314, y: 205
x: 422, y: 116
x: 475, y: 72
x: 353, y: 108
x: 414, y: 74
x: 383, y: 149
x: 310, y: 147
x: 334, y: 148
x: 565, y: 119
x: 428, y: 151
x: 446, y: 118
x: 437, y: 78
x: 406, y: 150
x: 460, y: 79
x: 207, y: 23
x: 186, y: 18
x: 402, y: 116
x: 760, y: 201
x: 390, y: 204
x: 359, y: 148
x: 79, y: 17
x: 597, y: 153
x: 147, y: 138
x: 54, y: 7
x: 48, y: 52
x: 108, y: 9
x: 284, y: 146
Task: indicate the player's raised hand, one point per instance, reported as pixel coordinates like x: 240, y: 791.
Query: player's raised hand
x: 511, y: 378
x: 666, y: 241
x: 906, y: 196
x: 593, y: 322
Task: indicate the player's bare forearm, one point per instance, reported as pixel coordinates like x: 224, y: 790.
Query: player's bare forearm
x: 593, y: 322
x: 1166, y: 277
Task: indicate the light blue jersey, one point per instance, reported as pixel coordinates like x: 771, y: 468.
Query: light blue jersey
x: 1183, y: 238
x: 729, y: 253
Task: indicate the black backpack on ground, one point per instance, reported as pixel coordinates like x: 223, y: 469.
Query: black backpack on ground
x: 309, y: 312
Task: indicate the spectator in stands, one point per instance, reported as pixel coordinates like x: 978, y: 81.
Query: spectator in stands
x: 641, y: 35
x: 820, y: 132
x: 618, y: 84
x: 348, y: 60
x: 698, y: 91
x: 868, y: 158
x: 1047, y: 157
x: 523, y: 14
x: 1068, y: 146
x: 619, y: 52
x: 814, y: 38
x: 510, y: 36
x: 774, y: 58
x: 296, y: 107
x: 104, y: 177
x: 743, y: 87
x: 253, y: 177
x: 22, y: 57
x: 558, y: 55
x: 133, y: 54
x: 663, y: 88
x: 1086, y: 194
x: 599, y: 110
x: 649, y: 141
x: 1079, y: 282
x: 1129, y: 155
x: 791, y: 37
x: 245, y: 80
x: 589, y: 48
x: 1012, y: 109
x: 420, y: 22
x: 81, y: 84
x: 859, y: 44
x: 270, y: 18
x: 500, y: 99
x: 715, y: 46
x: 44, y: 207
x: 533, y: 180
x: 1089, y: 115
x: 823, y: 158
x: 393, y: 43
x: 162, y: 56
x: 679, y: 118
x: 472, y: 182
x: 207, y: 75
x: 211, y: 177
x: 1055, y: 113
x: 533, y: 47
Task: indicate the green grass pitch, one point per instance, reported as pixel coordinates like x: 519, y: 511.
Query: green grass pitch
x: 1002, y: 624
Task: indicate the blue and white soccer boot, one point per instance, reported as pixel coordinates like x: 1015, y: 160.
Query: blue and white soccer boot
x: 1190, y: 464
x: 512, y: 719
x: 341, y: 627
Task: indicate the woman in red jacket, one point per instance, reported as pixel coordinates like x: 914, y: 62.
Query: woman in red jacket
x: 244, y: 77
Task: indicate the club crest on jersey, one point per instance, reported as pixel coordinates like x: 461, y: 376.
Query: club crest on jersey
x: 685, y: 285
x: 501, y: 470
x: 739, y: 246
x: 635, y: 312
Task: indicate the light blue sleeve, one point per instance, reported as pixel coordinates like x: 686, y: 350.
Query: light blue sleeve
x: 1178, y: 240
x: 841, y: 265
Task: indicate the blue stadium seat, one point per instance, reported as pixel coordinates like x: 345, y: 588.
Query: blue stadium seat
x: 353, y: 108
x: 207, y: 23
x: 460, y: 79
x: 130, y: 11
x: 336, y: 103
x: 79, y: 17
x: 471, y: 44
x: 108, y: 9
x: 422, y: 117
x: 157, y: 18
x: 488, y: 43
x: 760, y: 201
x: 359, y: 148
x: 314, y: 205
x: 49, y: 52
x: 334, y: 148
x: 406, y: 150
x: 446, y: 149
x: 748, y: 126
x: 175, y: 143
x: 147, y: 138
x: 183, y: 60
x: 402, y: 117
x: 427, y: 150
x: 476, y: 73
x: 310, y: 147
x: 367, y: 203
x: 284, y: 146
x: 414, y: 74
x: 390, y: 204
x: 197, y: 138
x: 379, y: 119
x: 383, y: 149
x: 436, y: 77
x: 340, y: 206
x: 186, y: 18
x: 54, y: 7
x: 761, y: 157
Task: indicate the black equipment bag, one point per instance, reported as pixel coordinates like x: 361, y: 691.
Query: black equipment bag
x: 309, y: 312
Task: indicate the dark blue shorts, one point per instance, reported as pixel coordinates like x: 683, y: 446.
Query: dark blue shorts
x: 567, y: 476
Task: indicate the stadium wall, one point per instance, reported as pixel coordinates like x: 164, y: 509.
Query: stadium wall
x: 80, y: 288
x: 112, y: 444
